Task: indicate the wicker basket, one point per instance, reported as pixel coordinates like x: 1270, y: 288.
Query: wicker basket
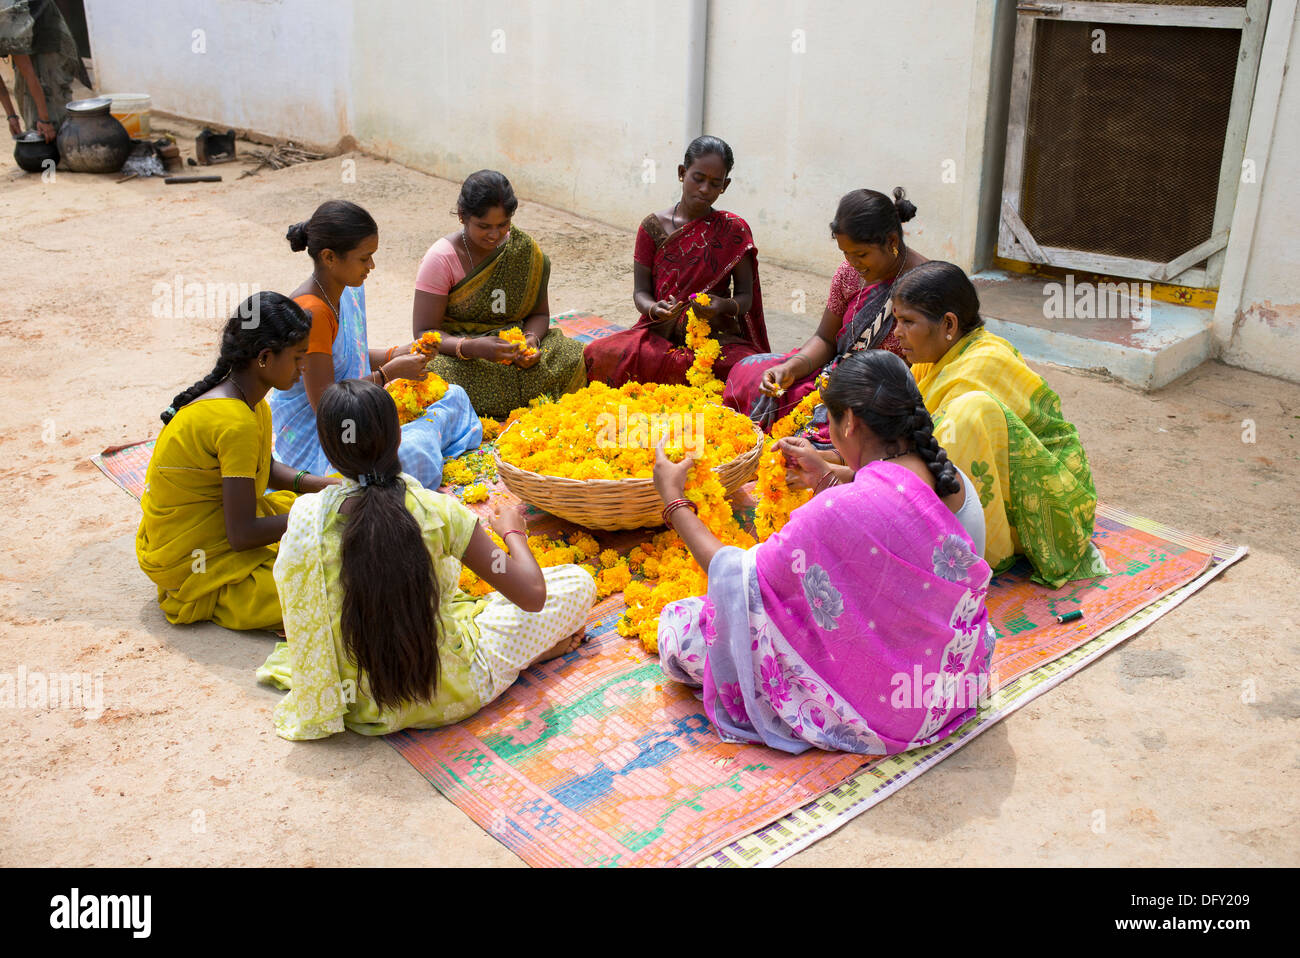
x: 612, y: 503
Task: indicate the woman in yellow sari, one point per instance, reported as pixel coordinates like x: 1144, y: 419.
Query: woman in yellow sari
x: 481, y: 283
x: 209, y: 529
x: 1001, y: 424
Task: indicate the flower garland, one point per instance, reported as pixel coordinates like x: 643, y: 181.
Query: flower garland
x: 776, y: 500
x: 558, y: 438
x: 706, y: 349
x: 413, y: 397
x: 675, y: 574
x: 516, y: 335
x: 428, y: 343
x: 799, y: 417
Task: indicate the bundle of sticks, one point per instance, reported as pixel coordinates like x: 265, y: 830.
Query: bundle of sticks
x: 278, y: 157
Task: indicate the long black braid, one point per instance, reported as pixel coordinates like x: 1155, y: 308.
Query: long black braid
x: 265, y: 320
x: 878, y: 387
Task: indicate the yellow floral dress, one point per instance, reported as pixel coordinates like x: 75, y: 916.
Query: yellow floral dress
x: 483, y: 644
x: 181, y: 543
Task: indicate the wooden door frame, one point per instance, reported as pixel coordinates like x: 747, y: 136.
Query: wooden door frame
x: 1014, y: 238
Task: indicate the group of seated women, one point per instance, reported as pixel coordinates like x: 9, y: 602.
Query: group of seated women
x: 283, y: 493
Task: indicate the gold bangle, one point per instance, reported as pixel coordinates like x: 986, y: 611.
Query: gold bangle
x: 460, y: 344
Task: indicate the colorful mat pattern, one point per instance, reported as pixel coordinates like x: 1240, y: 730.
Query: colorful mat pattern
x: 595, y: 759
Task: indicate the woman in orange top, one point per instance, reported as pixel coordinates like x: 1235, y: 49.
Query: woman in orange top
x: 341, y: 239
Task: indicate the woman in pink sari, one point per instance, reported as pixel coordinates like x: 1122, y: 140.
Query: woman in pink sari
x: 861, y: 625
x: 691, y: 248
x: 868, y: 228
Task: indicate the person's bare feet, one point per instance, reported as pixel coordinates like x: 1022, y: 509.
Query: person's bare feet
x: 563, y: 647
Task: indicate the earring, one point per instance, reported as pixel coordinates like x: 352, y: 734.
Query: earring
x: 262, y: 362
x: 950, y: 337
x: 894, y: 251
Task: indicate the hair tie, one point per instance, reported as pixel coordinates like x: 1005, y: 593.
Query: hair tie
x: 170, y: 409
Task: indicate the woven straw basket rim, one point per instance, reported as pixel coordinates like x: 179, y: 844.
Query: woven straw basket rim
x: 607, y: 504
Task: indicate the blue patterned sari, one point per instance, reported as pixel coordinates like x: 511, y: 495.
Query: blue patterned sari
x: 448, y: 428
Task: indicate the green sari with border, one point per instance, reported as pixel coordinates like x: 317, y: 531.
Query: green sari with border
x: 499, y: 294
x: 1002, y: 425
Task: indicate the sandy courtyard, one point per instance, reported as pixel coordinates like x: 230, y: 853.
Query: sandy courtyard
x: 183, y: 767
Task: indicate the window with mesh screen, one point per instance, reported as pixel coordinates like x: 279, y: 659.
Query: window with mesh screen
x: 1123, y: 148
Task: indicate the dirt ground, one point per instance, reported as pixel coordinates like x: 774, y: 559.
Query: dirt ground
x: 183, y: 768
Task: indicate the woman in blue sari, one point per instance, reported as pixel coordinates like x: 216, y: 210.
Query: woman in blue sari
x: 342, y: 238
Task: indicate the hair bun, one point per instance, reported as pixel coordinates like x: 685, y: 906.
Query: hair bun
x: 297, y: 237
x: 905, y: 208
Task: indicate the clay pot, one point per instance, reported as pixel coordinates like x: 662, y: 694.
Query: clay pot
x: 91, y: 140
x: 31, y: 151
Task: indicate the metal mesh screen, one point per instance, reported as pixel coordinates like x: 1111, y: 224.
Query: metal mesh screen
x: 1123, y: 147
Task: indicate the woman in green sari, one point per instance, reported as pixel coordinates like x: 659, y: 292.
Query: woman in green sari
x: 480, y: 282
x: 1002, y: 425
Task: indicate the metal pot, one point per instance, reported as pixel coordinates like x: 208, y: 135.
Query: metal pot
x: 31, y: 151
x: 91, y: 140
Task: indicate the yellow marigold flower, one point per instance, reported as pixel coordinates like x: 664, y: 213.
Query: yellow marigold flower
x: 516, y: 335
x: 413, y: 397
x: 609, y: 558
x: 456, y: 473
x: 428, y: 343
x: 475, y: 493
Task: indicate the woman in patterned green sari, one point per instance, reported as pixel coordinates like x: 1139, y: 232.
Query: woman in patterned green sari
x: 1001, y: 424
x: 481, y: 281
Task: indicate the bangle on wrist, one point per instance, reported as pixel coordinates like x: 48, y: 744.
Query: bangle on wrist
x: 388, y: 357
x: 834, y: 481
x: 383, y: 376
x: 460, y: 345
x: 297, y: 480
x: 674, y: 506
x: 511, y: 532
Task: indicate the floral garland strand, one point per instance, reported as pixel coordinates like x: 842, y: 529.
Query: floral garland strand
x: 706, y: 349
x: 515, y: 335
x: 412, y: 398
x: 776, y: 500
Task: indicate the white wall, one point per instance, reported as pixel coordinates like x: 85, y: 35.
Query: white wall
x: 276, y: 66
x: 874, y: 101
x: 570, y: 97
x: 1261, y: 330
x: 567, y: 99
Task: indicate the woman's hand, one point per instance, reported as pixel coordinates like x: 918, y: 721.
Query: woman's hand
x: 15, y: 126
x: 777, y: 379
x: 408, y: 366
x: 47, y: 130
x: 507, y: 518
x: 528, y: 362
x: 670, y: 477
x: 667, y: 310
x: 492, y: 348
x: 805, y: 466
x: 713, y: 310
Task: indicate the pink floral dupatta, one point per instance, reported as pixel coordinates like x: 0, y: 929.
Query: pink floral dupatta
x: 860, y: 627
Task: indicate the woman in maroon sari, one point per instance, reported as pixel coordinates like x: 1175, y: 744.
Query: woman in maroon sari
x: 691, y: 248
x: 868, y: 228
